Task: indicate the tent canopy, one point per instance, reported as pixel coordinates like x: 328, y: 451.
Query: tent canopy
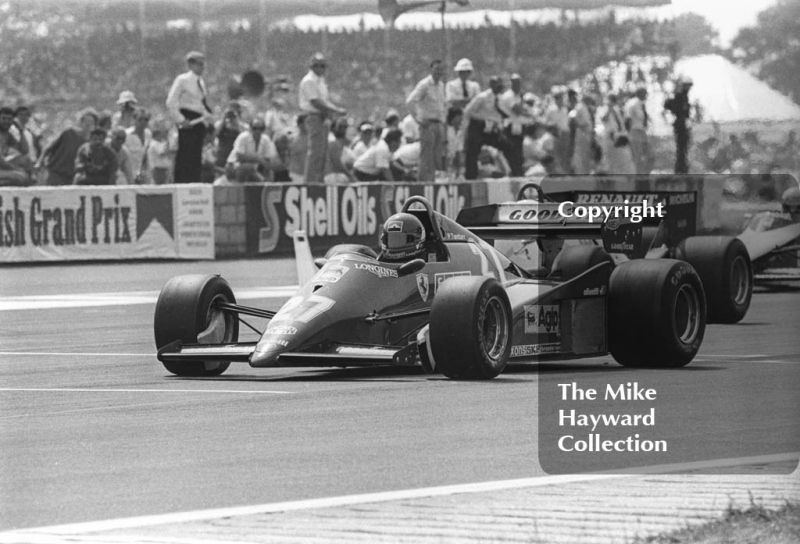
x: 728, y: 93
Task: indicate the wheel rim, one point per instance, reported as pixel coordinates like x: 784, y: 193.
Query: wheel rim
x: 219, y: 324
x: 687, y: 314
x: 495, y: 329
x: 740, y: 280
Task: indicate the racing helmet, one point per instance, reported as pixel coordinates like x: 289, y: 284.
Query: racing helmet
x: 402, y: 238
x: 790, y: 200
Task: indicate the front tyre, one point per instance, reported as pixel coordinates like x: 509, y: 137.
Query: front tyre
x: 187, y: 311
x: 657, y: 313
x: 470, y: 328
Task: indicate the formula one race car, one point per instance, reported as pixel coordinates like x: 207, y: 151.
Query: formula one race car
x: 722, y: 262
x: 464, y: 309
x: 772, y: 239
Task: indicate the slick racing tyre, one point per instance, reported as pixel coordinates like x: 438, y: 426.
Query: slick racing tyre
x: 470, y: 328
x: 575, y: 260
x: 358, y: 249
x: 186, y: 311
x: 724, y: 267
x: 657, y: 313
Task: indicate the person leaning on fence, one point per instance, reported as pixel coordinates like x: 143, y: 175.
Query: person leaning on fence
x: 315, y: 104
x: 375, y: 163
x: 15, y: 165
x: 188, y: 105
x: 253, y: 154
x: 58, y: 157
x: 96, y: 163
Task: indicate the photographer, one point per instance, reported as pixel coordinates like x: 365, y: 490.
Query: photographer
x: 681, y: 109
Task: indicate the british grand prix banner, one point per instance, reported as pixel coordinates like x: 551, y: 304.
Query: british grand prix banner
x: 106, y: 223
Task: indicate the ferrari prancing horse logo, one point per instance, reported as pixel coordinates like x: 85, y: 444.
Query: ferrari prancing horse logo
x: 423, y: 286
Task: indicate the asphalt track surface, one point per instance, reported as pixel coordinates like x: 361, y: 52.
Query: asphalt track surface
x: 92, y: 427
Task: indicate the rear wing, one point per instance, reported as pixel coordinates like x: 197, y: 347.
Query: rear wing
x: 529, y: 219
x: 526, y: 219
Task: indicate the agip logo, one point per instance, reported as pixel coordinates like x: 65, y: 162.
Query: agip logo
x: 543, y: 319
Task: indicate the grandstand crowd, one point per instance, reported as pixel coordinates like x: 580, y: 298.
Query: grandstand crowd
x: 88, y: 106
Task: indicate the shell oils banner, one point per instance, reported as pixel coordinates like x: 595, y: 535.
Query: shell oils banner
x: 335, y: 214
x: 106, y: 223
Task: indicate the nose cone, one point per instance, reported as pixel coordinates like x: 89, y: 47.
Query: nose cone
x: 288, y: 335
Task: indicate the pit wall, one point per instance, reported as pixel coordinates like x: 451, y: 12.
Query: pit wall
x: 256, y: 220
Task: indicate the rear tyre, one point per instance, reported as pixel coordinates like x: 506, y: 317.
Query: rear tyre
x: 470, y: 328
x: 724, y: 267
x: 657, y: 313
x: 186, y: 311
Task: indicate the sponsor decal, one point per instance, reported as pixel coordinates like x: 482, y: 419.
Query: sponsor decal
x: 423, y: 286
x: 273, y: 345
x: 331, y: 273
x: 535, y: 349
x: 542, y: 319
x: 281, y: 330
x: 395, y: 226
x: 446, y: 199
x: 105, y: 223
x: 380, y: 271
x: 439, y: 278
x: 613, y: 223
x: 350, y: 211
x: 685, y: 198
x: 594, y: 291
x: 540, y: 213
x: 279, y: 342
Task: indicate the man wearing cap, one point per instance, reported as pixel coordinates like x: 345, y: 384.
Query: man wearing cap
x: 520, y: 115
x: 366, y: 138
x: 315, y: 104
x: 188, y: 105
x: 485, y: 117
x: 459, y: 91
x: 428, y: 106
x: 125, y: 117
x: 253, y: 154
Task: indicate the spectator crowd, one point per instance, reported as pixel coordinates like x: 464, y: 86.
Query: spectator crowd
x: 380, y: 119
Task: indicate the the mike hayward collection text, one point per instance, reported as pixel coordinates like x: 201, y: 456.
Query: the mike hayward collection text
x: 594, y: 423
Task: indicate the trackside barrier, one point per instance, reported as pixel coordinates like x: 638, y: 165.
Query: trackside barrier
x: 258, y: 219
x: 106, y: 223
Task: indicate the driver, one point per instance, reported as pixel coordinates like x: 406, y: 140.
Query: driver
x: 402, y: 239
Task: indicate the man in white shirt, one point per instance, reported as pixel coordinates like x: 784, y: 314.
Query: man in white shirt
x: 459, y: 91
x: 188, y: 106
x: 410, y: 129
x: 485, y: 116
x: 519, y: 116
x: 427, y: 104
x: 375, y: 163
x: 253, y: 154
x: 637, y: 120
x: 315, y: 104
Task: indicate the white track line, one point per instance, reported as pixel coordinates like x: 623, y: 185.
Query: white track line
x: 91, y: 390
x: 87, y: 300
x: 77, y: 354
x: 350, y: 500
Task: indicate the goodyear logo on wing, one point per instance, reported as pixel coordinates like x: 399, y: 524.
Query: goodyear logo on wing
x: 542, y: 319
x: 539, y: 213
x: 380, y: 271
